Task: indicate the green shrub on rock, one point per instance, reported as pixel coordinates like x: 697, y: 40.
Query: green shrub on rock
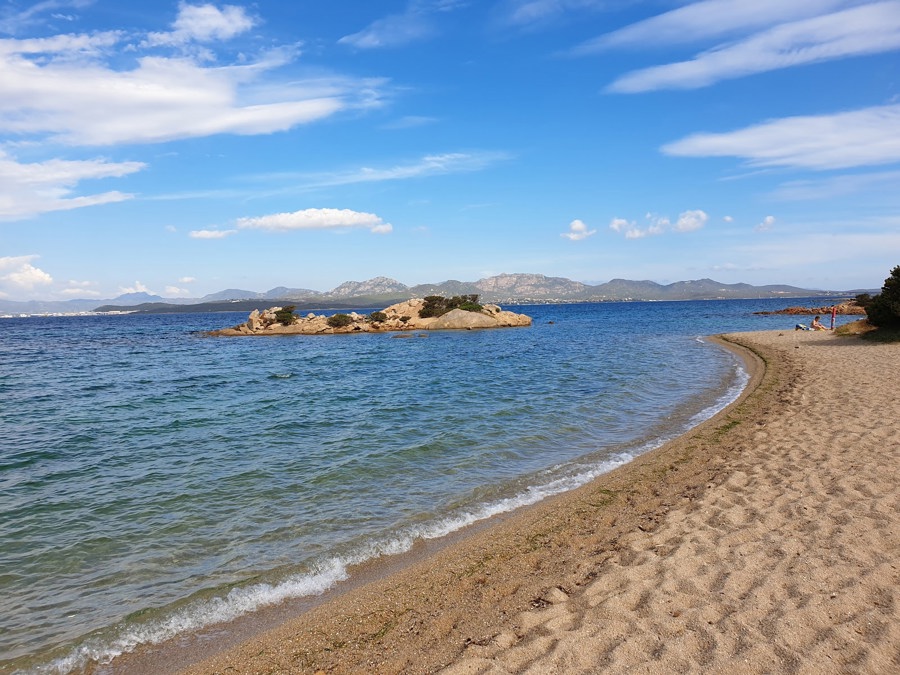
x: 377, y: 317
x: 339, y: 320
x: 437, y: 305
x: 285, y: 316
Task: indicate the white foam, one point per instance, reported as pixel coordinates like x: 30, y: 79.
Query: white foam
x: 740, y: 380
x: 199, y: 614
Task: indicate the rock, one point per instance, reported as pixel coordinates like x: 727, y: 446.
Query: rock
x: 460, y: 318
x: 403, y: 316
x: 253, y: 322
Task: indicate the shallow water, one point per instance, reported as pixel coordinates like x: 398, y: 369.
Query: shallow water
x: 154, y: 481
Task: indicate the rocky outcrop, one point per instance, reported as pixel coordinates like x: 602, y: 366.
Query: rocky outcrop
x: 403, y: 316
x: 850, y: 307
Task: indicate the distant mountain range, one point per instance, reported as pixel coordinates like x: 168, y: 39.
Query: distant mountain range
x: 382, y: 291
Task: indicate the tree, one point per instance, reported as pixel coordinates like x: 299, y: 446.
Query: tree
x: 883, y: 310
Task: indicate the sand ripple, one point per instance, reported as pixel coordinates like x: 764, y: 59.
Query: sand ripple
x: 789, y: 565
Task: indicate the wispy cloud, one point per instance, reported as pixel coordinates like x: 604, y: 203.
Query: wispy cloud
x: 53, y: 87
x: 79, y: 289
x: 429, y: 165
x: 866, y: 137
x: 535, y: 12
x: 410, y: 122
x: 28, y: 190
x: 786, y: 35
x: 13, y: 20
x: 837, y: 249
x: 317, y: 219
x: 578, y: 231
x: 709, y: 19
x: 414, y: 24
x: 838, y: 186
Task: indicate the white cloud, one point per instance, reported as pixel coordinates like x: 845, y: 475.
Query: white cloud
x: 858, y: 138
x: 18, y: 274
x: 655, y: 225
x: 728, y: 219
x: 204, y: 23
x: 137, y: 288
x: 53, y: 87
x: 869, y: 29
x: 186, y: 280
x: 210, y: 234
x: 578, y: 231
x: 28, y: 190
x: 629, y: 228
x: 767, y: 224
x: 317, y: 219
x: 691, y: 220
x: 176, y: 291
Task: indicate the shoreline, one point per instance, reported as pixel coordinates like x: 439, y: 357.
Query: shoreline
x: 350, y: 608
x: 199, y: 644
x: 504, y: 594
x: 359, y: 613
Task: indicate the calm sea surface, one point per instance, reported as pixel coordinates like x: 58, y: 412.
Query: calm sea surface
x: 154, y: 481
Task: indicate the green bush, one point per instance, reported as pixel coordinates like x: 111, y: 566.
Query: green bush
x: 285, y: 316
x: 339, y: 320
x: 377, y: 317
x: 883, y: 310
x: 437, y: 305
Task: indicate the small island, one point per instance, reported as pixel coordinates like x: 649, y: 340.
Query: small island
x: 433, y: 312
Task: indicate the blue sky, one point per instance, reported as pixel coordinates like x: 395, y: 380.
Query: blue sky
x: 182, y: 148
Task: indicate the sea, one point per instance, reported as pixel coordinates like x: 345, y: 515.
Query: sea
x: 156, y: 481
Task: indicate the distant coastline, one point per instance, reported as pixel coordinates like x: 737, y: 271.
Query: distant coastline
x: 503, y: 289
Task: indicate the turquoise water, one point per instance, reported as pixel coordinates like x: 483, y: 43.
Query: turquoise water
x: 154, y: 481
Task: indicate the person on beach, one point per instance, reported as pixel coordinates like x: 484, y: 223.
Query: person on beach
x: 817, y: 325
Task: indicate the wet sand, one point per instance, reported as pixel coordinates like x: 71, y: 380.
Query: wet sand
x: 767, y: 540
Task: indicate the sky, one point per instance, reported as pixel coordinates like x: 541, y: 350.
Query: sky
x: 182, y: 148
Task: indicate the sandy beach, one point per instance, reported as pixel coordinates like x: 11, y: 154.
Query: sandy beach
x: 767, y: 540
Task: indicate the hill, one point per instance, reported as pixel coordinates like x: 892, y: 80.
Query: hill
x: 501, y: 289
